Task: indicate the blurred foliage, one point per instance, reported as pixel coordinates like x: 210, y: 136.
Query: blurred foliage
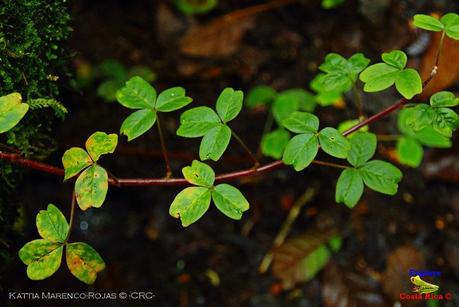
x: 195, y: 7
x: 31, y: 62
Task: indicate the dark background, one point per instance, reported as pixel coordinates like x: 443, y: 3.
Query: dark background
x: 147, y: 250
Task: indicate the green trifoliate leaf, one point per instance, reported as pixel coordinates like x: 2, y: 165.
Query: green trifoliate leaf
x: 378, y: 77
x: 274, y: 143
x: 363, y: 147
x: 100, y: 143
x: 197, y: 122
x: 381, y: 176
x: 451, y: 24
x: 75, y: 160
x: 84, y: 262
x: 137, y: 94
x: 12, y: 110
x: 445, y: 121
x: 301, y: 150
x: 427, y: 22
x: 444, y: 99
x: 260, y: 95
x: 334, y: 143
x: 432, y: 138
x: 342, y: 73
x: 190, y: 204
x: 290, y: 101
x: 395, y: 58
x: 301, y: 122
x: 214, y: 143
x: 172, y: 99
x: 408, y: 83
x: 409, y: 151
x: 229, y: 104
x: 138, y: 123
x: 91, y: 187
x: 42, y: 257
x: 324, y: 97
x: 230, y: 201
x: 107, y: 89
x: 349, y: 187
x: 199, y: 174
x: 52, y: 225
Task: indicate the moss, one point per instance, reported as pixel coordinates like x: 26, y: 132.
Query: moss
x: 32, y: 61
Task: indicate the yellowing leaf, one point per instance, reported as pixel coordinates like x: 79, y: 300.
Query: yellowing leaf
x: 84, y: 262
x: 42, y: 257
x: 91, y: 187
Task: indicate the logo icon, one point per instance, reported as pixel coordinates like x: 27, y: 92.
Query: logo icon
x: 423, y: 287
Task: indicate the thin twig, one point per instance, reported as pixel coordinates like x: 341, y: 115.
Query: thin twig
x: 163, y: 148
x: 285, y: 229
x: 246, y: 148
x: 330, y: 164
x: 72, y: 215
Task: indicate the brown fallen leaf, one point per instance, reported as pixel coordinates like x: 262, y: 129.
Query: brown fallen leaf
x: 448, y: 66
x: 396, y: 277
x: 299, y: 259
x: 219, y: 38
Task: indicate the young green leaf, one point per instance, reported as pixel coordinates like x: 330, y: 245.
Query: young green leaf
x: 301, y: 150
x: 432, y: 138
x: 91, y: 187
x: 84, y: 262
x: 137, y: 94
x: 341, y: 73
x: 229, y: 104
x: 199, y: 174
x: 427, y: 22
x: 301, y: 122
x: 230, y: 201
x: 349, y: 187
x: 409, y: 151
x: 75, y: 160
x: 347, y: 124
x: 197, y: 122
x: 395, y: 58
x: 324, y: 97
x: 378, y: 77
x: 100, y: 143
x: 42, y: 257
x: 274, y: 143
x: 138, y: 123
x: 214, y: 143
x: 363, y: 147
x: 334, y: 143
x: 444, y: 99
x: 408, y: 83
x: 12, y: 110
x: 451, y: 24
x: 172, y: 99
x: 445, y: 121
x: 381, y: 176
x: 52, y: 225
x: 260, y: 95
x: 290, y: 101
x: 190, y: 204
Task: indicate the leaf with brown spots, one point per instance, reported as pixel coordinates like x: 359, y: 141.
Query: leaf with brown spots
x: 52, y: 225
x: 84, y: 262
x: 100, y: 143
x: 91, y: 187
x: 42, y: 257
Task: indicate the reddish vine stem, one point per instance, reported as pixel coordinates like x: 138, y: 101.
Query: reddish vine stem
x: 46, y: 168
